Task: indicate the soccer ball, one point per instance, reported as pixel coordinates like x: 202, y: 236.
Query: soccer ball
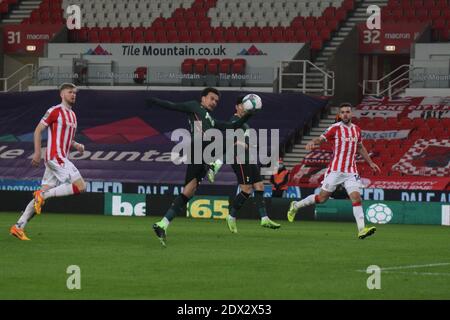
x: 379, y: 213
x: 252, y: 102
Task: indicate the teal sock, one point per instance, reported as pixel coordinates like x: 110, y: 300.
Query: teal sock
x: 260, y: 203
x: 238, y: 203
x: 177, y: 206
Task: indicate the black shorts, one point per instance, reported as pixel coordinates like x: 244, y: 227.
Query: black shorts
x: 247, y: 173
x: 197, y: 171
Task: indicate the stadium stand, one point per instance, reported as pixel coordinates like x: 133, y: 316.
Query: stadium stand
x: 422, y: 152
x: 435, y: 12
x: 210, y: 21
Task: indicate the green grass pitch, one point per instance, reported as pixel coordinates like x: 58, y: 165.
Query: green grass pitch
x: 120, y: 258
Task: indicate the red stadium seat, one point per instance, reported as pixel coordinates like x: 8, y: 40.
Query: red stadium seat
x: 207, y: 36
x: 439, y: 24
x: 397, y: 14
x: 301, y: 36
x: 225, y: 66
x: 187, y: 66
x: 237, y: 68
x: 417, y: 3
x: 172, y: 36
x: 278, y: 34
x: 435, y: 14
x: 329, y: 12
x: 442, y: 4
x: 149, y: 35
x: 158, y: 23
x: 348, y: 4
x: 138, y: 36
x: 116, y: 35
x: 266, y: 34
x: 161, y: 36
x: 179, y: 13
x: 104, y: 35
x: 341, y: 14
x: 298, y: 22
x: 204, y: 24
x: 310, y: 23
x: 93, y: 36
x: 241, y: 61
x: 289, y: 35
x: 333, y: 24
x: 170, y: 25
x: 316, y: 45
x: 321, y: 23
x: 325, y: 34
x: 422, y: 15
x: 213, y: 66
x: 254, y: 34
x: 195, y: 36
x: 192, y: 25
x: 200, y: 66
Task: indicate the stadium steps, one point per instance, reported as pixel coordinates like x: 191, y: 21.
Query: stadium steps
x: 23, y: 11
x: 357, y: 15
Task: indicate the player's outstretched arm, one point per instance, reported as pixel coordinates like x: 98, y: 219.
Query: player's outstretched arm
x: 363, y: 152
x: 315, y: 142
x: 186, y: 107
x: 37, y: 144
x: 223, y: 125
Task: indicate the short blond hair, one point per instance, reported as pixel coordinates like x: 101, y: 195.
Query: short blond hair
x: 67, y: 85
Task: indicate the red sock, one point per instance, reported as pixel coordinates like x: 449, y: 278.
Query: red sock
x: 75, y: 189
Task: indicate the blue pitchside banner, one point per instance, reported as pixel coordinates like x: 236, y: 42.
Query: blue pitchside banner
x: 125, y: 140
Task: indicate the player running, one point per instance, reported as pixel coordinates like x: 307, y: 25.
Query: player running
x: 249, y: 179
x: 61, y: 177
x: 198, y: 113
x: 346, y: 138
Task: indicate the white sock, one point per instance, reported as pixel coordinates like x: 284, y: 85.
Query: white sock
x: 26, y: 215
x: 219, y: 162
x: 309, y: 200
x: 59, y: 191
x: 165, y: 222
x: 230, y: 217
x: 359, y: 216
x: 265, y: 218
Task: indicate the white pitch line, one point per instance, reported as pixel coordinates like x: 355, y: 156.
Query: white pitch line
x: 412, y: 266
x: 420, y: 273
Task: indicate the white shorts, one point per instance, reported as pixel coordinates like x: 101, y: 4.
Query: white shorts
x: 56, y: 174
x: 351, y: 181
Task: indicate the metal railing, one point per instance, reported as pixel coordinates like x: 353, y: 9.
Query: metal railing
x: 326, y: 86
x: 22, y: 74
x: 391, y: 84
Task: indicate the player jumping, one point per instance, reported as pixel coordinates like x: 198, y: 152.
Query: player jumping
x: 61, y: 177
x: 249, y: 179
x: 346, y: 138
x: 198, y: 113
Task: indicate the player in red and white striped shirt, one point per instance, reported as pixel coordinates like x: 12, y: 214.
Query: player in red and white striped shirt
x: 61, y: 177
x: 346, y: 139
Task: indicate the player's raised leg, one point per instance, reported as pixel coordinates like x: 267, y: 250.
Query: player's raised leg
x: 178, y: 205
x: 308, y: 201
x: 63, y: 190
x: 18, y: 229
